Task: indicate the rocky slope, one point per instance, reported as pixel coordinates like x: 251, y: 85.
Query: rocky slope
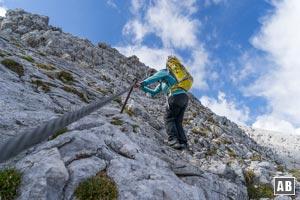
x: 286, y: 145
x: 53, y: 72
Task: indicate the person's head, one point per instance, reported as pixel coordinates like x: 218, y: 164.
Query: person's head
x: 172, y: 58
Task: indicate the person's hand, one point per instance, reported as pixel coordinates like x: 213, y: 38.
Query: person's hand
x: 138, y: 85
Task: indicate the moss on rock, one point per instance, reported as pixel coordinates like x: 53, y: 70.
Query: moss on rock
x: 98, y: 187
x: 13, y: 66
x: 46, y: 67
x: 10, y: 180
x: 45, y: 85
x: 74, y: 91
x: 65, y: 77
x: 28, y: 58
x: 257, y: 191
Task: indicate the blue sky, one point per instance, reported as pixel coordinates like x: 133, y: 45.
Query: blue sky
x: 243, y: 54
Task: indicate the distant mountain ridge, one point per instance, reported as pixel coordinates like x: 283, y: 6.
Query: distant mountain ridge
x: 45, y: 73
x: 286, y: 145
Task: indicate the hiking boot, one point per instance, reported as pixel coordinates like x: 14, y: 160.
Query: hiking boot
x: 171, y: 142
x: 180, y: 146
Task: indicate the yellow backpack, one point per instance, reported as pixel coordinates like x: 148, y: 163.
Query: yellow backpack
x: 179, y: 71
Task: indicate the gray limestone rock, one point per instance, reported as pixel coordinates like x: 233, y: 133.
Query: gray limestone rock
x: 130, y: 146
x: 44, y: 176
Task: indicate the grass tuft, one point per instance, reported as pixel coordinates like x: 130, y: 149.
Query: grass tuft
x: 129, y: 111
x: 135, y: 127
x: 13, y: 66
x: 28, y: 58
x: 256, y: 158
x: 2, y: 54
x: 295, y: 173
x: 10, y: 180
x: 45, y: 86
x: 97, y: 187
x: 74, y: 91
x: 280, y: 168
x: 65, y: 77
x: 231, y: 153
x: 42, y: 53
x: 118, y: 100
x: 116, y: 121
x: 196, y: 131
x: 257, y: 191
x: 58, y: 133
x: 46, y: 67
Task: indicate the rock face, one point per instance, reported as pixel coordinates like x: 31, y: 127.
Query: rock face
x: 286, y: 145
x: 63, y: 73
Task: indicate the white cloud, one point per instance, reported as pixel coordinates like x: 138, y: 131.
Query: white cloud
x: 249, y: 67
x: 170, y: 20
x: 196, y: 65
x: 136, y: 5
x: 2, y: 11
x: 112, y: 4
x: 224, y: 107
x: 137, y: 29
x: 269, y: 122
x: 213, y: 2
x: 279, y: 38
x: 154, y: 58
x: 167, y: 21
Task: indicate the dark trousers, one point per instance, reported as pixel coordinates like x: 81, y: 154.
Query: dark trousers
x: 174, y: 117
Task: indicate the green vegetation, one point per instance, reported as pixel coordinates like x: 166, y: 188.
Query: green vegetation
x: 256, y: 158
x: 46, y: 67
x: 2, y: 54
x: 227, y: 142
x: 97, y: 187
x: 186, y: 121
x: 211, y: 120
x: 10, y: 180
x: 118, y: 100
x: 196, y: 140
x: 100, y: 90
x: 295, y: 173
x: 116, y: 121
x: 135, y: 127
x: 196, y: 131
x: 204, y: 132
x: 58, y: 133
x: 74, y: 91
x: 13, y: 66
x: 212, y: 152
x: 42, y: 53
x: 280, y: 168
x: 128, y: 111
x: 28, y: 58
x: 91, y: 84
x: 65, y: 77
x: 18, y: 44
x: 45, y: 85
x: 257, y: 191
x: 231, y: 153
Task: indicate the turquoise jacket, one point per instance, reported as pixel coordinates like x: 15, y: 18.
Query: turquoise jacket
x: 165, y: 79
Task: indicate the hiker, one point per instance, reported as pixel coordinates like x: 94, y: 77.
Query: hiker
x: 177, y: 101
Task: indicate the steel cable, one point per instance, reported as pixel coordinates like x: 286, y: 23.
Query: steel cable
x: 26, y: 139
